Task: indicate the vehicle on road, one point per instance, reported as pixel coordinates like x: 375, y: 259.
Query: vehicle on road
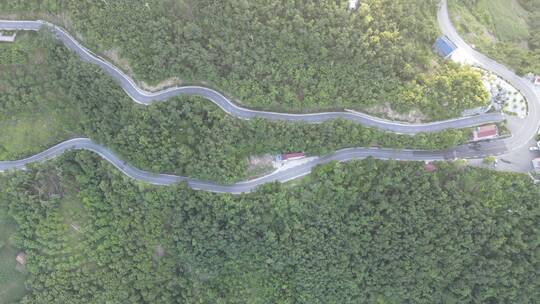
x: 535, y: 148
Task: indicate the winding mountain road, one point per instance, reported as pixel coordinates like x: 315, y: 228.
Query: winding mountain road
x: 281, y: 176
x: 523, y: 132
x: 144, y: 97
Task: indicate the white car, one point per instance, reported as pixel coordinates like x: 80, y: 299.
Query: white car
x: 534, y: 149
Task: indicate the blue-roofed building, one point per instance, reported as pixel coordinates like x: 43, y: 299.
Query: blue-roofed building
x: 444, y: 47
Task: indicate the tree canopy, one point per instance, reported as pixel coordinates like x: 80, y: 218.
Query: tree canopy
x: 279, y: 55
x: 186, y: 135
x: 363, y: 232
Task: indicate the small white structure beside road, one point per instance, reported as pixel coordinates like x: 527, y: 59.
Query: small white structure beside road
x: 7, y: 38
x: 536, y: 164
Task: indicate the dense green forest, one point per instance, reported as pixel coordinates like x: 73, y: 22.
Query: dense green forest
x: 48, y: 95
x: 358, y: 232
x: 362, y: 232
x: 508, y: 31
x: 280, y: 55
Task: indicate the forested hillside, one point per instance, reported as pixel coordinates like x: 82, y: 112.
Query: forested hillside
x: 48, y: 95
x: 285, y: 55
x: 508, y: 31
x: 363, y: 232
x: 358, y: 232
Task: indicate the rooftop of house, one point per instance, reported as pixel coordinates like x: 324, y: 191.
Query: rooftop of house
x: 292, y: 155
x: 7, y: 38
x: 486, y: 131
x: 444, y: 47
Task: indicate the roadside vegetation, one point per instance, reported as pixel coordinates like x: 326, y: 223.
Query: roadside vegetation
x: 362, y: 231
x: 34, y: 112
x: 506, y: 30
x: 12, y: 277
x: 280, y: 55
x: 49, y: 95
x: 365, y: 231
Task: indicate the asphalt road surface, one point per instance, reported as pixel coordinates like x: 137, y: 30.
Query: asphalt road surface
x: 281, y: 176
x: 522, y: 134
x: 146, y: 98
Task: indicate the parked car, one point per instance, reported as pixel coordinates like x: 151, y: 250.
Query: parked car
x: 534, y: 149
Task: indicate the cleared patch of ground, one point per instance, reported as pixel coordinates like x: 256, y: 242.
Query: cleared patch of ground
x: 12, y: 278
x: 75, y: 221
x: 257, y: 166
x: 114, y: 56
x: 385, y: 110
x: 22, y: 133
x: 37, y: 122
x: 509, y: 19
x: 502, y: 29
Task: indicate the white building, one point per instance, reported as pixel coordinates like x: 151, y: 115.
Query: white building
x: 353, y: 4
x: 7, y: 38
x: 536, y: 164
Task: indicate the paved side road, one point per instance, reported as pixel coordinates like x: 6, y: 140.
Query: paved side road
x: 145, y: 97
x: 248, y: 186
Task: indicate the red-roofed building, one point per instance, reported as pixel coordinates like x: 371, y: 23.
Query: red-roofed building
x: 291, y: 156
x: 430, y: 167
x: 485, y: 132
